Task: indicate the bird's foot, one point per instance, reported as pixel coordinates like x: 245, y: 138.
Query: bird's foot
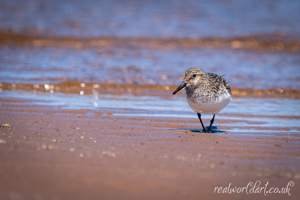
x: 209, y: 131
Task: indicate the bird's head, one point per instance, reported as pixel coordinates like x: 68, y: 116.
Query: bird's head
x: 192, y: 77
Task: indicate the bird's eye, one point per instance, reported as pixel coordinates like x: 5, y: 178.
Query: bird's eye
x: 194, y: 75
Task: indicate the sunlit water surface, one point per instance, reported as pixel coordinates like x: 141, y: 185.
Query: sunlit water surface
x: 248, y: 115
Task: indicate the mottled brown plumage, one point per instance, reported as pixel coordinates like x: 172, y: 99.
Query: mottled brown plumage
x: 219, y: 80
x: 207, y: 86
x: 214, y: 79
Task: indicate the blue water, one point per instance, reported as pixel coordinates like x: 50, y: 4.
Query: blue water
x: 114, y: 62
x: 242, y: 69
x: 151, y: 18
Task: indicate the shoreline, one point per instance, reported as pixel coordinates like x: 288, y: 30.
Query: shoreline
x: 74, y: 87
x: 268, y: 42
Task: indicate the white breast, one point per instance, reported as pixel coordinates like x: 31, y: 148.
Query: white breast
x: 211, y: 107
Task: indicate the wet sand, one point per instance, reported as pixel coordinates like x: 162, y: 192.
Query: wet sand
x: 74, y: 87
x: 264, y: 42
x: 53, y: 153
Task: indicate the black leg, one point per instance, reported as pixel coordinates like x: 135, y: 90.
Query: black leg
x: 199, y: 116
x: 211, y: 122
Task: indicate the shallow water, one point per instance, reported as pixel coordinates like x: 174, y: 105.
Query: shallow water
x: 255, y: 44
x: 242, y: 115
x: 151, y: 42
x: 132, y: 18
x: 242, y: 69
x: 238, y: 106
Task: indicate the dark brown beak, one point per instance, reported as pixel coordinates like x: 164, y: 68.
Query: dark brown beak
x: 183, y: 84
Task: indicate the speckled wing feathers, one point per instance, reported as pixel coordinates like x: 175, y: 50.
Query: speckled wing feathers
x: 216, y: 81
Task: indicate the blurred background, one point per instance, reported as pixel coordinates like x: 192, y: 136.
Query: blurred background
x: 255, y: 44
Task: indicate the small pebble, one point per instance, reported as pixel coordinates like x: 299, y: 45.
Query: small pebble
x: 2, y: 141
x: 50, y: 147
x: 5, y: 126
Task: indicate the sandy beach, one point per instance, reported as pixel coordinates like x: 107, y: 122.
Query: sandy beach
x: 55, y: 153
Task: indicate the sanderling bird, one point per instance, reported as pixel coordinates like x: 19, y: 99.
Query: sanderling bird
x: 205, y: 92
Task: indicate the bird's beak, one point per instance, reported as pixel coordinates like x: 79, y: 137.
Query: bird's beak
x: 183, y: 84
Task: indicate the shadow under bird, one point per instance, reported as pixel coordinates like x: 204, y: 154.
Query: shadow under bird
x: 205, y: 92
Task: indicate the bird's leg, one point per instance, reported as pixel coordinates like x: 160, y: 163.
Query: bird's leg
x: 211, y: 122
x: 199, y: 116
